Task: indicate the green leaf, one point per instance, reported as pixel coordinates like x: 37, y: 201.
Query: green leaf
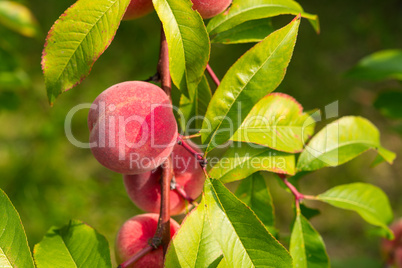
x: 242, y: 160
x: 188, y: 43
x: 244, y: 240
x: 245, y: 10
x: 306, y: 245
x: 257, y: 73
x: 193, y: 111
x: 18, y: 18
x: 385, y: 64
x: 248, y: 32
x: 340, y: 142
x: 76, y: 41
x: 194, y: 244
x: 73, y: 245
x: 369, y: 201
x: 254, y: 192
x: 277, y: 121
x: 14, y: 249
x: 389, y: 104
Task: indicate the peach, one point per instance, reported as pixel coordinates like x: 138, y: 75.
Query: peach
x: 137, y: 9
x: 135, y: 235
x: 144, y: 189
x: 210, y: 8
x: 132, y: 127
x: 392, y: 249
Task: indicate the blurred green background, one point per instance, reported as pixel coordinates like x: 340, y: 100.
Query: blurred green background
x: 50, y: 181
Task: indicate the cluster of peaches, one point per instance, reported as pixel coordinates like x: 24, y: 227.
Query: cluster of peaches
x: 133, y: 131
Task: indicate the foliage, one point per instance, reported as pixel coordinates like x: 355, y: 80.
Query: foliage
x: 225, y: 229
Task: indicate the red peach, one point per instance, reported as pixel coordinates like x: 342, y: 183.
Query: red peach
x: 210, y: 8
x: 144, y: 189
x: 392, y: 249
x: 132, y: 127
x: 135, y: 235
x: 137, y: 9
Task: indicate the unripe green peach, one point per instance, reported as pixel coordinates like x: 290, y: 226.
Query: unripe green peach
x: 144, y: 189
x: 132, y: 127
x: 137, y: 9
x: 135, y: 235
x: 210, y: 8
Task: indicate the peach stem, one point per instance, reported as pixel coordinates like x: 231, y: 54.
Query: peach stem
x: 213, y: 75
x: 200, y: 157
x: 136, y: 257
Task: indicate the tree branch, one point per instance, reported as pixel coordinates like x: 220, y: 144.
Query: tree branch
x: 162, y: 234
x: 163, y: 65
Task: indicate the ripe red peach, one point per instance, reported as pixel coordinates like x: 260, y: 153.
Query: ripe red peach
x: 210, y: 8
x: 144, y: 189
x: 137, y: 9
x: 135, y: 235
x: 132, y: 127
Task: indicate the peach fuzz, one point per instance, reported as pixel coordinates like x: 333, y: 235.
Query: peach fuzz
x: 145, y: 192
x: 137, y: 9
x: 132, y: 127
x: 135, y: 234
x: 210, y: 8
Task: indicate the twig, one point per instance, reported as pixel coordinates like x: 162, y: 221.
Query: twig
x: 200, y: 157
x: 213, y: 76
x: 136, y: 257
x: 163, y: 65
x: 298, y: 196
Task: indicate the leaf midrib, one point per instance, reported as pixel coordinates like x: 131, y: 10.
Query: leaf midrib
x: 242, y: 11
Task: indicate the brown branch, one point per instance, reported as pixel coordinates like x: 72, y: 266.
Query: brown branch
x: 213, y: 75
x: 136, y: 257
x: 163, y: 65
x: 162, y: 235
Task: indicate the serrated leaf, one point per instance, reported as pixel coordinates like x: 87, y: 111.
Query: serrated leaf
x: 368, y: 200
x: 18, y: 18
x: 340, y: 142
x: 385, y: 64
x: 254, y: 192
x: 188, y: 43
x: 257, y: 73
x: 277, y: 121
x: 73, y: 245
x: 244, y: 240
x: 245, y: 10
x: 242, y: 160
x: 248, y: 32
x: 193, y: 110
x: 76, y: 41
x: 306, y: 245
x: 194, y: 244
x: 14, y: 249
x: 389, y: 104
